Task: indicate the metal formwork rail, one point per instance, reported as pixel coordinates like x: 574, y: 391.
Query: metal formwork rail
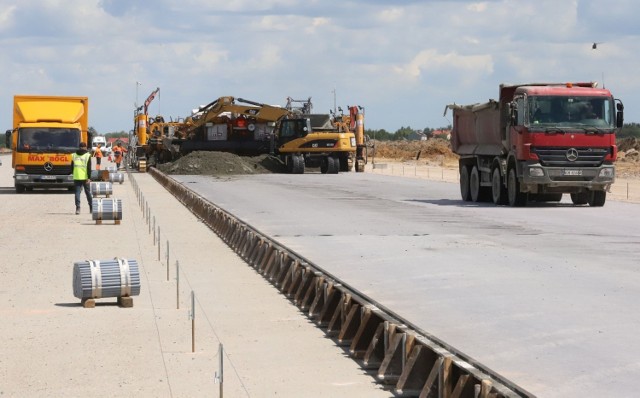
x: 410, y: 360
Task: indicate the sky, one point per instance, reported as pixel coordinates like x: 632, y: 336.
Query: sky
x: 402, y: 61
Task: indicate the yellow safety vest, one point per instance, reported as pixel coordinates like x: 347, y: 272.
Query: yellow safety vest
x: 80, y: 166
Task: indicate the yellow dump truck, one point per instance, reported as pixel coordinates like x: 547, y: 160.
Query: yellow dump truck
x: 46, y: 131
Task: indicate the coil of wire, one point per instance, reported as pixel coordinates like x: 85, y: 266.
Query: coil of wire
x: 106, y: 209
x: 106, y: 278
x: 116, y: 177
x: 101, y: 188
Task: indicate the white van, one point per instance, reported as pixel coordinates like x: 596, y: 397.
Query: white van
x: 103, y: 144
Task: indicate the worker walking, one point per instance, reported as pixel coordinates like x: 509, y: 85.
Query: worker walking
x: 98, y: 155
x: 81, y: 163
x: 118, y: 151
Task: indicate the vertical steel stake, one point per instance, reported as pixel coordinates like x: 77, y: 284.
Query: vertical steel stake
x: 158, y: 241
x: 177, y: 285
x: 154, y: 230
x: 193, y: 322
x: 221, y: 367
x: 167, y: 260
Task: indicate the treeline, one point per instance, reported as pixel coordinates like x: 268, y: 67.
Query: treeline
x: 629, y: 130
x: 402, y: 133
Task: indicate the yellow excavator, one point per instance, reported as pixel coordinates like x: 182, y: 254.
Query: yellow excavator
x: 148, y: 139
x: 250, y: 128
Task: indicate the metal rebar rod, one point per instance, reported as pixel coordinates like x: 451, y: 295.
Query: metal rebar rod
x: 193, y: 322
x: 177, y: 285
x: 221, y: 367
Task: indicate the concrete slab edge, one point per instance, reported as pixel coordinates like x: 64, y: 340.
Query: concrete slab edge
x: 412, y: 361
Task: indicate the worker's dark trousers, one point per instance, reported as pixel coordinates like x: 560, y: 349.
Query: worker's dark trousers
x: 79, y: 185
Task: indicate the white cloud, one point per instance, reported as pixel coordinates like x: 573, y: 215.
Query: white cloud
x: 431, y: 60
x: 391, y: 15
x: 381, y: 54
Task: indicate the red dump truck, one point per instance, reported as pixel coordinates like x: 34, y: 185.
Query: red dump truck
x: 538, y: 142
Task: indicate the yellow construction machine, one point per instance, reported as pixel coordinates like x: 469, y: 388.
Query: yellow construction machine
x: 332, y: 143
x: 299, y: 138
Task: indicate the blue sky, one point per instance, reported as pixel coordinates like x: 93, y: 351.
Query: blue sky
x: 401, y: 60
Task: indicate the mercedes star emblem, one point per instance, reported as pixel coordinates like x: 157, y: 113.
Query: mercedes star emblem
x: 572, y: 154
x: 48, y: 166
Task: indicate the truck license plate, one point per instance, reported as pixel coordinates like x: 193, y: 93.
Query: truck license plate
x: 573, y: 172
x: 48, y: 178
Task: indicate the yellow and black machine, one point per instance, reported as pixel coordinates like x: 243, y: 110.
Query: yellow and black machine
x: 298, y: 137
x: 150, y: 139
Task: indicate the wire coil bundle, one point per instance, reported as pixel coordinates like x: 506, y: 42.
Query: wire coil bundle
x: 106, y: 209
x: 101, y: 188
x: 106, y: 278
x: 116, y: 177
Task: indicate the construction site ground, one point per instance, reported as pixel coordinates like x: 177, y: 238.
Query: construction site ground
x: 53, y: 346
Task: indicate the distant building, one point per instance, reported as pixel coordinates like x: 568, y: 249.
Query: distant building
x: 112, y: 141
x: 444, y: 134
x: 417, y: 135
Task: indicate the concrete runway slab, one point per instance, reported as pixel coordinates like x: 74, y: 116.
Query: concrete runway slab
x: 544, y: 295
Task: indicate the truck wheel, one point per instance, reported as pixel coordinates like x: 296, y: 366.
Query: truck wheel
x: 334, y: 165
x: 581, y: 198
x: 597, y: 198
x: 474, y: 184
x: 298, y: 164
x: 359, y: 166
x: 498, y: 190
x: 465, y: 193
x: 324, y: 165
x: 516, y: 198
x: 344, y: 163
x: 19, y: 188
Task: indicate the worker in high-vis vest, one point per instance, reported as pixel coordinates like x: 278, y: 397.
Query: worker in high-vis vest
x: 81, y: 163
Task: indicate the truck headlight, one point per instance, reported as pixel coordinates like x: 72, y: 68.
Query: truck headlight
x: 536, y: 172
x: 22, y: 177
x: 606, y: 173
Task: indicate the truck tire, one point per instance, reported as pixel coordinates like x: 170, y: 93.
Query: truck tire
x: 19, y: 188
x: 498, y: 190
x: 581, y: 198
x: 360, y: 166
x: 597, y: 198
x: 344, y: 163
x: 516, y: 198
x: 297, y: 162
x: 474, y: 184
x: 465, y: 193
x: 324, y: 165
x: 334, y: 165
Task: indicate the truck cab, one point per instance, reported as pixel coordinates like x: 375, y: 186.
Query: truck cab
x: 47, y: 130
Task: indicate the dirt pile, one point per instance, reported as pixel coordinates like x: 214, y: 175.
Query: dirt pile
x: 629, y: 150
x: 414, y: 150
x: 222, y: 164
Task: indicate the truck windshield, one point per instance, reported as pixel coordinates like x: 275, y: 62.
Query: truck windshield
x: 39, y: 139
x: 563, y: 111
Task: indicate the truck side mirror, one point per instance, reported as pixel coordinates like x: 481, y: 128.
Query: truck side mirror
x: 619, y: 114
x: 513, y: 108
x: 7, y: 138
